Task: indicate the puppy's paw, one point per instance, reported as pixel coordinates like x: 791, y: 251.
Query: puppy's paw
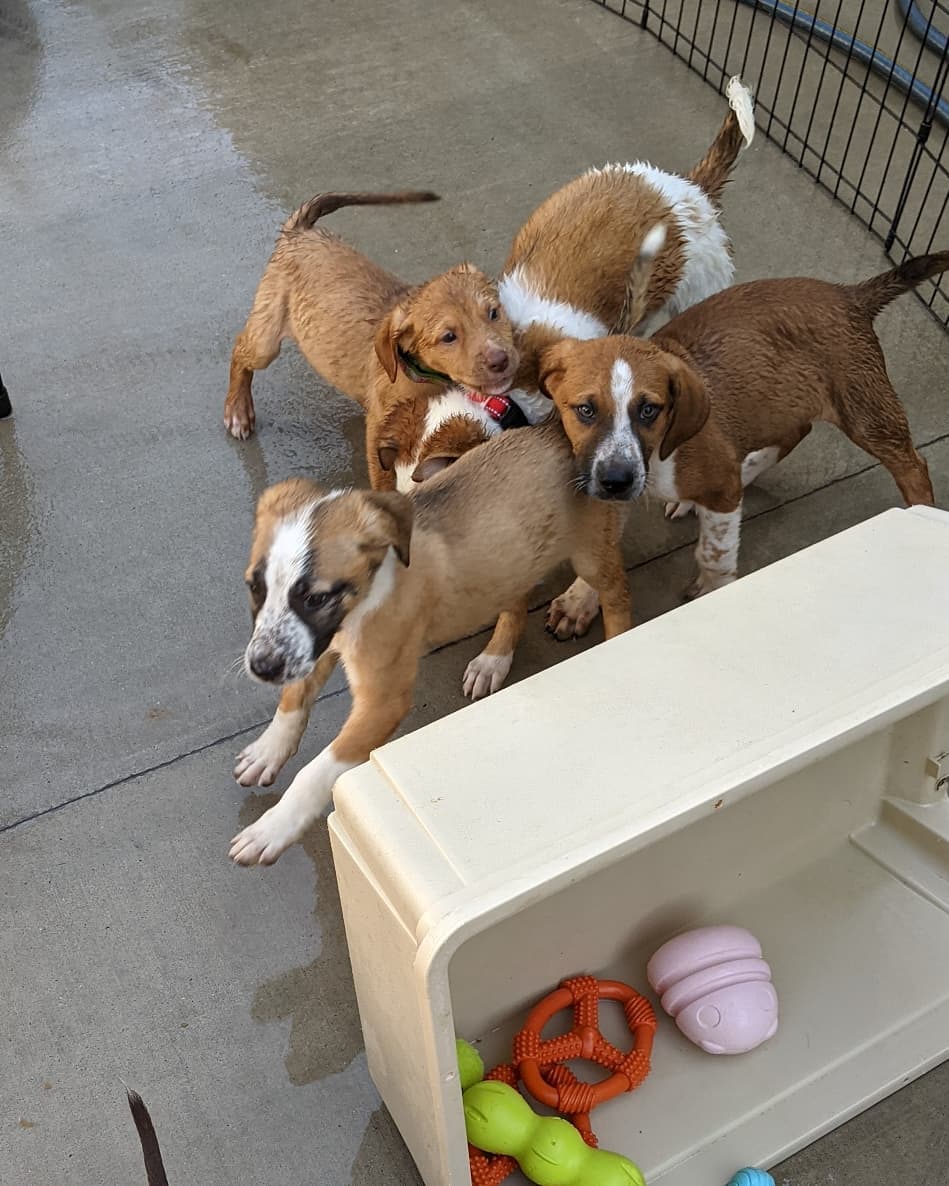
x: 261, y: 761
x: 706, y: 583
x: 571, y: 614
x: 679, y: 510
x: 239, y: 419
x: 486, y: 674
x: 261, y: 843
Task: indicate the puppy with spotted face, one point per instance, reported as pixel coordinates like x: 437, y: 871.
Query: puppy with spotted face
x: 377, y: 579
x: 729, y: 388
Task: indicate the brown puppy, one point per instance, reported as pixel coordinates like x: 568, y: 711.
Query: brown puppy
x: 330, y: 576
x: 362, y: 328
x: 730, y: 387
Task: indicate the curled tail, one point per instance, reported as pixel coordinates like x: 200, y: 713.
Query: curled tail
x: 875, y: 294
x: 736, y: 133
x: 310, y: 212
x: 154, y: 1166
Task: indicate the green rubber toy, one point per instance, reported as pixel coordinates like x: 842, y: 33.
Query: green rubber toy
x: 470, y: 1064
x: 549, y: 1150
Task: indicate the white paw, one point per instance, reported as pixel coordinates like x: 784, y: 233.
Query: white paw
x: 679, y: 510
x: 572, y: 613
x: 707, y: 582
x: 485, y: 674
x: 261, y: 843
x: 261, y: 761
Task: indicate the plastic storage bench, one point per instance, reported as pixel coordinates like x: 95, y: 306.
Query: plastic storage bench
x: 773, y: 755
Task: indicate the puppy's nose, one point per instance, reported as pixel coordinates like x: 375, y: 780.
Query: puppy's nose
x: 617, y: 480
x: 497, y: 360
x: 267, y: 667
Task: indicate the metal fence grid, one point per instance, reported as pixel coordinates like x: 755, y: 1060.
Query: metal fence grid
x: 852, y: 90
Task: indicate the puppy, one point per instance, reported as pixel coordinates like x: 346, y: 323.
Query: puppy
x: 330, y: 576
x: 364, y: 330
x: 154, y: 1166
x: 729, y: 388
x: 568, y: 272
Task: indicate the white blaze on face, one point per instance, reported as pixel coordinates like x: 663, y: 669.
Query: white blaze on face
x: 620, y: 447
x: 278, y: 632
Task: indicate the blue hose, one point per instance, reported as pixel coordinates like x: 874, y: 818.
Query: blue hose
x: 861, y: 52
x: 921, y: 27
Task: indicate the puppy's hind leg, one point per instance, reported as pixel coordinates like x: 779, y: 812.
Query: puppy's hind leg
x: 873, y: 417
x: 487, y: 672
x: 261, y: 761
x: 255, y: 348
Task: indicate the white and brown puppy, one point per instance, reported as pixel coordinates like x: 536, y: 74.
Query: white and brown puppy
x: 729, y: 388
x: 378, y: 579
x: 568, y: 272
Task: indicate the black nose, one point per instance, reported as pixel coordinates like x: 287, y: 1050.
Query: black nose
x: 617, y: 480
x: 267, y: 667
x: 497, y: 361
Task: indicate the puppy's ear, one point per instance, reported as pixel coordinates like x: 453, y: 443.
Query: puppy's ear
x: 690, y: 406
x: 433, y: 465
x: 393, y: 326
x: 551, y: 368
x: 397, y: 512
x: 387, y: 454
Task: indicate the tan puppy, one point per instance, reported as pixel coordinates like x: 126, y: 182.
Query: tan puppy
x: 730, y: 387
x: 379, y: 579
x: 362, y: 328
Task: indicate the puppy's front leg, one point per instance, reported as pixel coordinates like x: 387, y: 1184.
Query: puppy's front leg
x: 379, y: 706
x: 488, y: 671
x: 261, y: 761
x: 716, y: 553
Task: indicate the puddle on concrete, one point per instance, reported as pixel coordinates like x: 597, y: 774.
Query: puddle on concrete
x: 318, y: 999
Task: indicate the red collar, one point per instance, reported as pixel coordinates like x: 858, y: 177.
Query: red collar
x: 500, y: 408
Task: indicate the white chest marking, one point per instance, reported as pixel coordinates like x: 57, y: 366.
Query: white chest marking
x: 525, y: 306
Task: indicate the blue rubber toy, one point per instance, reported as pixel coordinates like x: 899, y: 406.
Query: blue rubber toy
x: 749, y: 1177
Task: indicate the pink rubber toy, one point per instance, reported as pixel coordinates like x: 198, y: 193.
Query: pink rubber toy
x: 715, y: 984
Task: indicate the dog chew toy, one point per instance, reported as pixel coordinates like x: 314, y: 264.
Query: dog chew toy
x: 549, y: 1151
x: 470, y: 1064
x: 749, y: 1177
x: 539, y: 1065
x: 716, y: 986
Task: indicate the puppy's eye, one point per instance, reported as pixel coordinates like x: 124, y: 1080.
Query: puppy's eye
x: 448, y: 337
x: 314, y: 601
x: 586, y: 413
x: 493, y: 313
x: 648, y: 412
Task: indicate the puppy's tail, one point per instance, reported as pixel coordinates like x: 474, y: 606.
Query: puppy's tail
x: 154, y: 1166
x: 736, y: 133
x: 875, y: 294
x: 636, y: 300
x: 307, y: 215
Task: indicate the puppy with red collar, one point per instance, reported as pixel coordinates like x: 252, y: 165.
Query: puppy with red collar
x: 377, y: 579
x: 368, y: 333
x: 729, y: 388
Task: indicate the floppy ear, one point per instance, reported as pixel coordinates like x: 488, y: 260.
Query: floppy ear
x: 386, y: 342
x: 551, y: 368
x: 690, y: 407
x: 433, y: 465
x: 387, y: 454
x: 398, y: 511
